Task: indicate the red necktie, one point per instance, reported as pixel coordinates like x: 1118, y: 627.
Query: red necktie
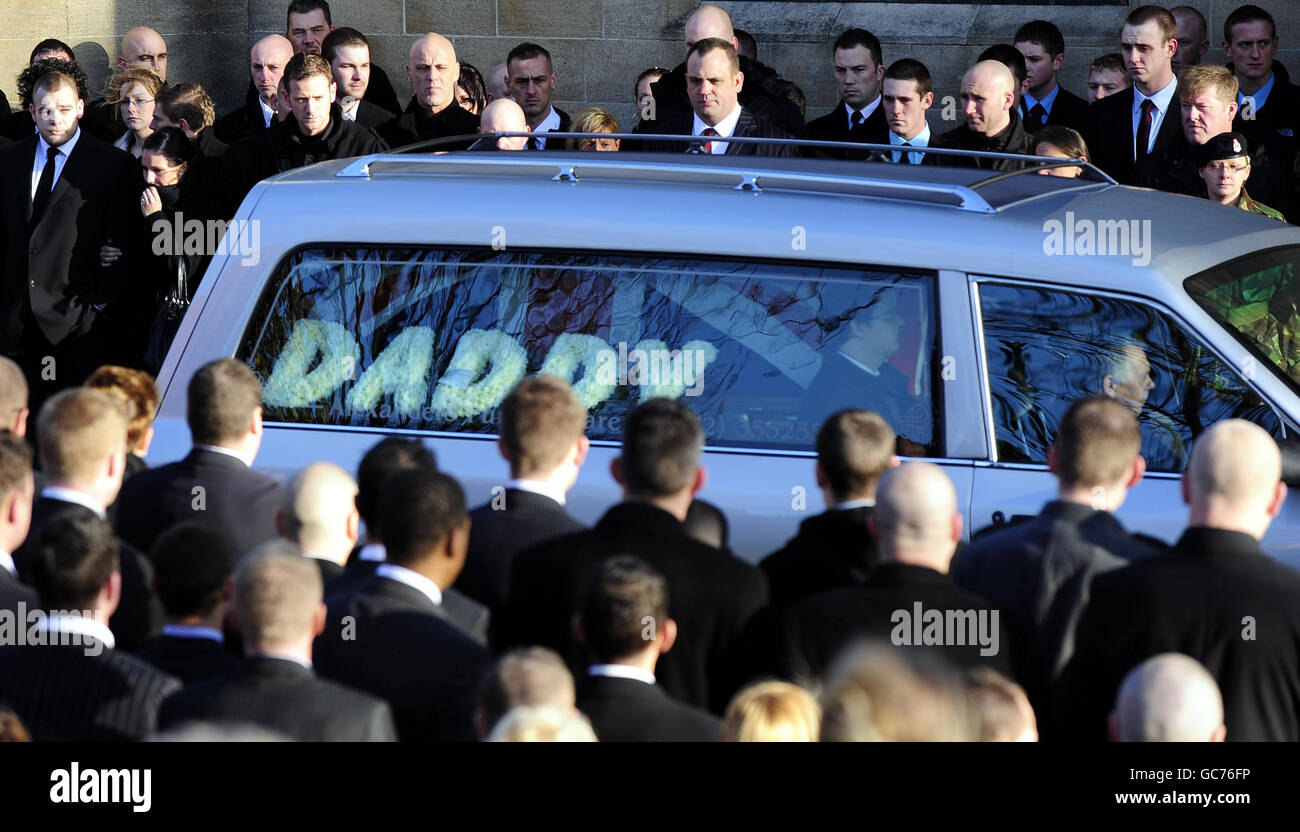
x: 708, y: 131
x: 1144, y: 129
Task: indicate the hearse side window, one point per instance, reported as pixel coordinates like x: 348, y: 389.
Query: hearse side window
x: 1045, y: 349
x: 433, y: 340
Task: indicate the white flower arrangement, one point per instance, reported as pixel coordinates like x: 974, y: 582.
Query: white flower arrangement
x: 458, y: 394
x: 682, y: 369
x: 599, y: 373
x: 291, y: 385
x: 402, y: 369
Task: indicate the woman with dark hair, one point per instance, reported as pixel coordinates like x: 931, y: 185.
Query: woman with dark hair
x: 471, y: 95
x: 1061, y: 143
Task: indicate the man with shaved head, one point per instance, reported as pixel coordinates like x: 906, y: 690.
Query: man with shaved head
x: 988, y: 99
x: 1193, y: 40
x: 433, y: 113
x: 143, y: 48
x: 1168, y: 698
x: 763, y: 94
x: 13, y: 398
x: 917, y: 525
x: 268, y: 58
x: 502, y: 116
x: 498, y: 83
x: 320, y: 515
x: 1215, y: 596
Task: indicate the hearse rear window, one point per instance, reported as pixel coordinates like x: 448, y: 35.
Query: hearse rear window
x: 433, y: 340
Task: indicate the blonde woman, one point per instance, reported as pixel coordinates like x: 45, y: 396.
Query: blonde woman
x: 133, y: 92
x: 594, y: 120
x: 772, y: 712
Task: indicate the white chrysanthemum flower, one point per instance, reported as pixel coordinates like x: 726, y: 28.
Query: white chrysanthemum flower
x: 291, y: 385
x: 668, y: 379
x: 458, y: 395
x: 598, y: 362
x: 401, y: 370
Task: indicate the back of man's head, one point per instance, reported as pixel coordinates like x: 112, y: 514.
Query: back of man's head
x: 1233, y: 479
x: 78, y: 430
x: 191, y: 564
x: 526, y: 676
x: 419, y: 508
x: 624, y: 598
x: 709, y: 21
x: 541, y: 420
x: 223, y: 396
x: 1169, y: 698
x: 916, y: 517
x: 854, y: 449
x: 71, y: 560
x: 1097, y: 444
x: 662, y: 444
x: 384, y: 459
x: 13, y: 397
x: 277, y: 595
x: 16, y: 484
x: 317, y: 503
x: 877, y: 693
x: 1002, y: 706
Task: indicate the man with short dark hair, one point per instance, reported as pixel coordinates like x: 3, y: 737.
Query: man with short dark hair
x: 1045, y: 101
x: 905, y: 96
x: 192, y: 567
x: 836, y: 548
x: 1193, y: 37
x: 543, y: 441
x: 625, y: 625
x: 17, y: 489
x: 392, y: 637
x: 859, y: 116
x: 714, y: 593
x: 189, y: 108
x: 532, y: 80
x: 19, y: 125
x: 277, y: 597
x: 348, y: 54
x: 746, y: 45
x: 309, y: 23
x: 992, y: 123
x: 267, y: 58
x: 214, y: 484
x: 1106, y: 76
x: 68, y: 683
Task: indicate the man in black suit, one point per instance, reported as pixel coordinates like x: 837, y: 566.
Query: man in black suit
x: 909, y: 599
x: 1207, y: 96
x: 432, y: 113
x: 16, y: 491
x: 1214, y: 596
x: 348, y: 54
x: 626, y: 627
x: 1045, y: 101
x: 214, y: 484
x: 542, y: 424
x: 63, y: 194
x: 19, y: 125
x: 81, y: 434
x: 836, y: 548
x: 714, y: 82
x: 192, y: 566
x: 279, y: 611
x: 67, y: 683
x: 859, y: 116
x: 1039, y: 572
x: 391, y: 637
x: 1132, y: 132
x: 714, y: 594
x: 309, y: 23
x: 268, y: 58
x: 532, y: 80
x: 905, y: 96
x: 320, y: 515
x: 992, y: 122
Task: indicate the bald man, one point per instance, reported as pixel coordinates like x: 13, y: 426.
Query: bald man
x: 992, y: 123
x: 13, y: 398
x: 498, y: 83
x: 433, y: 113
x: 1168, y: 698
x: 763, y: 95
x: 917, y: 525
x: 502, y: 116
x: 143, y: 48
x: 1214, y: 596
x: 320, y: 515
x: 1193, y: 39
x: 267, y: 60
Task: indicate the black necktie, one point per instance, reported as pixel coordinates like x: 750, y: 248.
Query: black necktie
x: 857, y: 122
x: 44, y: 185
x: 532, y: 143
x: 905, y: 156
x: 1144, y: 129
x: 1038, y: 113
x: 708, y: 131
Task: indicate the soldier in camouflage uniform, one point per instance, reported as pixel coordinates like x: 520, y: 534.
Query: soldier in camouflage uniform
x: 1224, y: 164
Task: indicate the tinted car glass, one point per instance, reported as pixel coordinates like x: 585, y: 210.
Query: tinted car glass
x: 1046, y: 349
x: 433, y: 340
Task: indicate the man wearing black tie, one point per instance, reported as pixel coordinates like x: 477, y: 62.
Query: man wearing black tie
x: 532, y: 80
x: 1131, y: 132
x: 63, y: 195
x: 905, y: 97
x: 1045, y: 101
x: 859, y: 117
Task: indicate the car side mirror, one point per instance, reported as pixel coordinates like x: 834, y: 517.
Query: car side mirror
x: 1290, y: 448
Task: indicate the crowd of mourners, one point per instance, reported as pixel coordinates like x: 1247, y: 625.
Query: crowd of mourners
x: 201, y: 599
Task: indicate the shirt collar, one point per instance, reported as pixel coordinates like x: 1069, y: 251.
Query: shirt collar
x: 43, y: 147
x: 186, y: 631
x: 67, y: 495
x: 276, y: 654
x: 852, y: 504
x: 350, y: 108
x: 622, y: 671
x: 7, y: 563
x: 724, y: 128
x: 268, y: 115
x: 1047, y: 100
x: 1261, y: 94
x: 545, y: 489
x: 859, y: 364
x: 921, y: 139
x: 1162, y: 98
x: 373, y: 552
x: 551, y: 122
x: 79, y: 625
x: 412, y: 579
x: 866, y: 111
x: 230, y: 452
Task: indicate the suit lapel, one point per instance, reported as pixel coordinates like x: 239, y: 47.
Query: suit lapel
x: 745, y: 126
x: 71, y: 170
x: 25, y: 182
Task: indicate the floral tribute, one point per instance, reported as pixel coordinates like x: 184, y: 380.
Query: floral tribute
x: 292, y: 384
x: 460, y: 391
x: 401, y: 370
x: 594, y: 356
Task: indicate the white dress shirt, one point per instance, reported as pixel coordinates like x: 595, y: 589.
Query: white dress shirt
x: 373, y: 552
x: 80, y: 625
x: 268, y: 115
x: 538, y: 487
x: 230, y: 452
x: 349, y: 107
x: 412, y: 579
x: 921, y: 139
x: 866, y: 111
x: 67, y: 495
x: 551, y: 122
x: 622, y: 671
x: 7, y: 563
x: 852, y: 504
x: 1163, y: 98
x: 42, y: 149
x: 723, y: 128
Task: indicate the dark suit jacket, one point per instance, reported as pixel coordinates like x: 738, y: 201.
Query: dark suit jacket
x: 470, y: 617
x: 1274, y: 138
x: 52, y: 271
x: 244, y: 123
x: 417, y: 124
x: 498, y: 536
x: 748, y: 125
x: 711, y: 594
x: 834, y: 549
x: 14, y: 592
x: 235, y: 499
x: 1110, y: 140
x: 1215, y: 597
x: 63, y: 695
x: 399, y: 646
x: 139, y: 616
x: 373, y: 116
x: 283, y: 696
x: 834, y: 127
x: 841, y: 384
x: 764, y: 94
x: 329, y: 570
x: 190, y: 659
x: 629, y: 710
x: 1013, y: 138
x: 1068, y: 110
x: 818, y: 629
x: 565, y: 124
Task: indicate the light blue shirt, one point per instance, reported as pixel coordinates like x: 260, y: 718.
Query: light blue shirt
x: 1261, y: 94
x: 1047, y: 101
x: 42, y: 150
x: 921, y: 139
x: 1163, y: 98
